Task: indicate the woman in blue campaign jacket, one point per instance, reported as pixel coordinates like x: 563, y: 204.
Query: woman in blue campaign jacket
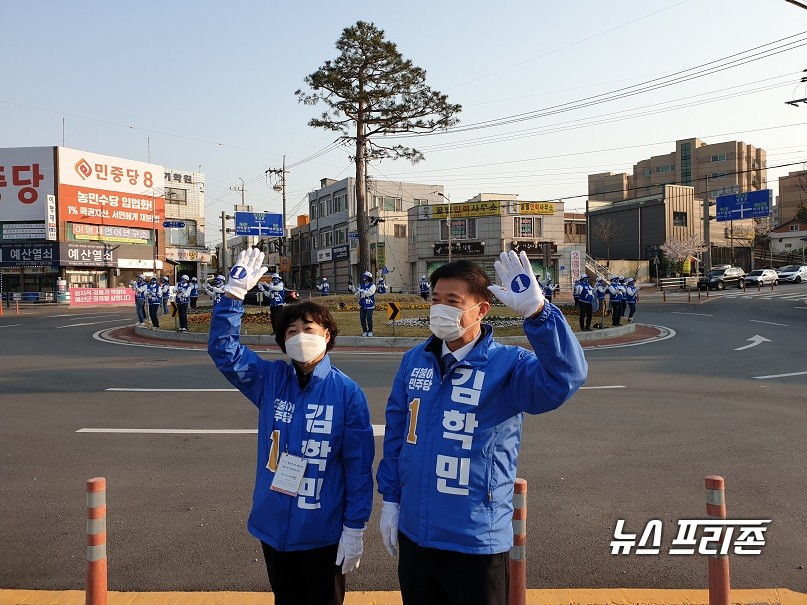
x: 453, y: 429
x: 307, y: 410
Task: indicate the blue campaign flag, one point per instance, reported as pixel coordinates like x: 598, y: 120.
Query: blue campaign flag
x: 752, y: 204
x: 259, y: 223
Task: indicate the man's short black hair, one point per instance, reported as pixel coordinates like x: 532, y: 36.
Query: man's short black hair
x: 307, y: 311
x: 470, y: 273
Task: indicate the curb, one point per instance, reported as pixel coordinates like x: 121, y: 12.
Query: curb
x: 384, y: 342
x: 599, y: 596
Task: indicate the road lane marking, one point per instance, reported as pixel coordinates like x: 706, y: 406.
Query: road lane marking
x: 770, y: 323
x: 683, y: 313
x: 137, y: 390
x: 89, y: 323
x: 378, y: 431
x: 755, y: 340
x: 613, y: 386
x: 780, y: 375
x: 10, y: 325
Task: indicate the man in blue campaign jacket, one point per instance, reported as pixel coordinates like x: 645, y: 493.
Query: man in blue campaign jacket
x: 453, y: 430
x: 313, y: 485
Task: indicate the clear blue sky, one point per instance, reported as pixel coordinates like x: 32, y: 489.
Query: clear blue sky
x: 212, y: 85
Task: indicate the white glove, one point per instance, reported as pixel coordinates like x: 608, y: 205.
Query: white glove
x: 521, y: 291
x: 351, y: 547
x: 245, y: 273
x: 390, y: 511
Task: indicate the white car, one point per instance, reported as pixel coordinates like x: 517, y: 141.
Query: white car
x: 793, y: 273
x: 762, y: 277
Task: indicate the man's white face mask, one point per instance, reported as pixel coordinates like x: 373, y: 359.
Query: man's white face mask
x: 444, y: 322
x: 305, y: 347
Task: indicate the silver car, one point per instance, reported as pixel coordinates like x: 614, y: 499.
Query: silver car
x: 794, y: 274
x: 762, y: 277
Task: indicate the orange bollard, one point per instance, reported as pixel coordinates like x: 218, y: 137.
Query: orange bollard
x: 16, y: 307
x: 96, y: 582
x: 719, y: 582
x: 518, y: 554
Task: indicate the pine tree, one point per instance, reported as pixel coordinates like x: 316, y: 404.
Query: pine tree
x: 371, y: 91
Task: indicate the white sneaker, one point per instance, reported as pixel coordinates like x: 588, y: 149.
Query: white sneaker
x: 369, y: 333
x: 364, y: 333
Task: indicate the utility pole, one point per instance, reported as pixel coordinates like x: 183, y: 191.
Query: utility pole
x: 281, y: 173
x: 224, y: 231
x: 448, y: 221
x: 707, y: 252
x: 241, y: 189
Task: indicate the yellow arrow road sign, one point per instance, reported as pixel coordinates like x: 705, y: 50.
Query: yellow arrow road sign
x: 393, y: 311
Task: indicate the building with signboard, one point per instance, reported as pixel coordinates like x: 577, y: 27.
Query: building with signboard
x: 185, y: 215
x: 325, y: 244
x: 78, y: 219
x: 484, y: 226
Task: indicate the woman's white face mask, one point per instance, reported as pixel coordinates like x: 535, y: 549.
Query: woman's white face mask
x: 305, y: 347
x: 444, y: 322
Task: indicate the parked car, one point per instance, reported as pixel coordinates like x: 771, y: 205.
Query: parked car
x: 762, y: 277
x: 792, y: 273
x: 720, y: 277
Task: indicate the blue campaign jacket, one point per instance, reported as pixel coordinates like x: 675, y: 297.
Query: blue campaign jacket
x: 451, y: 444
x: 155, y: 294
x: 367, y: 295
x: 328, y: 422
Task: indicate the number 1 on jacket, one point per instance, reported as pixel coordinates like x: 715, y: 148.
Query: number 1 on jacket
x: 414, y: 407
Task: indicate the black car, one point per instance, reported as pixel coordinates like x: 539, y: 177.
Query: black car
x: 721, y: 277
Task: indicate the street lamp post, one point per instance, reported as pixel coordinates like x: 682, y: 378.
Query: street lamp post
x: 281, y: 187
x: 448, y: 221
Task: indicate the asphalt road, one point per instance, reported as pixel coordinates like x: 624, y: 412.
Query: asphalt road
x: 636, y: 445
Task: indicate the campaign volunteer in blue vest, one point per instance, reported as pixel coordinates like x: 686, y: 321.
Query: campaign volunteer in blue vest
x: 165, y: 291
x: 155, y: 299
x: 366, y: 303
x: 216, y: 290
x: 615, y: 300
x: 277, y: 296
x: 424, y: 288
x: 631, y: 294
x: 140, y: 288
x: 324, y: 287
x: 194, y: 292
x: 453, y: 429
x: 314, y: 482
x: 182, y: 295
x: 584, y: 294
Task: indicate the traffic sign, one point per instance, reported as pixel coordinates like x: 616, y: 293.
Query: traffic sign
x: 393, y: 311
x: 173, y: 224
x: 353, y: 235
x: 259, y: 223
x: 752, y: 204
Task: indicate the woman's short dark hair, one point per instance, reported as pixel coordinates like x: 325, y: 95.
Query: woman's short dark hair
x: 307, y: 311
x: 470, y: 273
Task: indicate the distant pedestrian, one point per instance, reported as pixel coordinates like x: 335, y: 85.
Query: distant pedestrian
x: 277, y: 297
x: 165, y: 293
x: 182, y: 295
x: 585, y: 302
x: 424, y: 288
x: 216, y: 290
x: 155, y: 296
x: 631, y: 296
x: 324, y: 287
x: 366, y: 303
x: 140, y: 288
x: 600, y: 289
x: 194, y: 292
